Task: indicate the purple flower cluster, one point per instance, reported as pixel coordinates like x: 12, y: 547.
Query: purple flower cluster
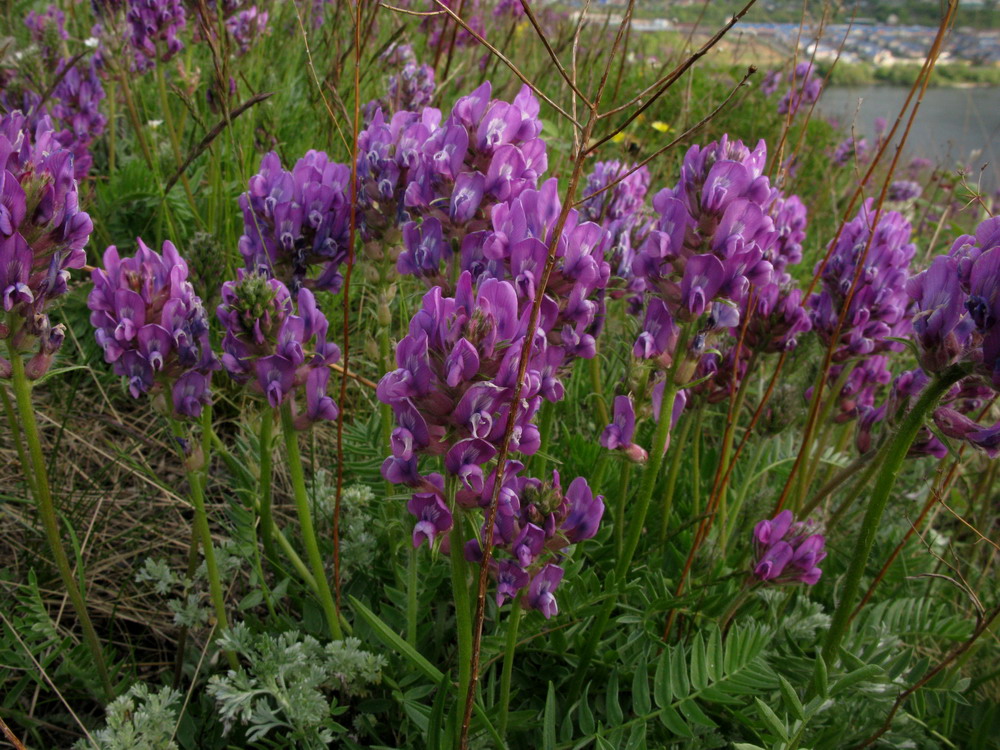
x: 713, y: 240
x: 295, y: 220
x: 42, y: 236
x: 878, y: 308
x: 245, y: 26
x: 76, y: 102
x: 278, y: 347
x: 851, y: 148
x: 516, y: 250
x: 957, y: 320
x: 903, y: 191
x: 410, y: 89
x: 620, y: 210
x: 451, y: 396
x: 804, y: 88
x: 787, y: 551
x: 437, y: 182
x: 155, y: 25
x: 48, y: 31
x: 967, y: 397
x: 152, y: 327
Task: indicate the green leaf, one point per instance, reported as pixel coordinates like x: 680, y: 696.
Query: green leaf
x: 791, y: 699
x: 436, y: 719
x: 549, y: 720
x: 771, y: 719
x: 661, y: 679
x: 715, y: 656
x: 640, y: 687
x: 612, y: 708
x: 821, y: 678
x: 391, y: 639
x: 867, y: 673
x: 694, y: 713
x: 679, y: 676
x: 674, y: 722
x: 699, y: 664
x: 585, y: 714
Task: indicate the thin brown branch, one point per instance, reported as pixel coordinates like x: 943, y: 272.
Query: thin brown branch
x: 527, y: 346
x: 212, y: 134
x: 982, y: 626
x: 921, y: 83
x: 552, y: 53
x: 346, y: 291
x: 506, y: 61
x: 679, y: 139
x: 667, y: 81
x: 409, y: 12
x: 11, y: 737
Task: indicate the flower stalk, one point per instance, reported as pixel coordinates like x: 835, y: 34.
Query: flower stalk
x: 895, y: 454
x: 306, y: 524
x: 35, y: 472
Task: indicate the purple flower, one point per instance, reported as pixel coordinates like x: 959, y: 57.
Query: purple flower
x: 902, y: 191
x: 956, y: 425
x: 511, y: 579
x: 619, y: 433
x: 295, y: 221
x: 432, y: 514
x: 540, y: 591
x: 154, y: 26
x: 152, y: 326
x: 246, y: 26
x: 787, y: 552
x: 804, y: 88
x: 42, y: 235
x: 277, y: 352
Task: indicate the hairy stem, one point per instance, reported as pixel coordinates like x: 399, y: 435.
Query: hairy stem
x: 513, y: 621
x: 38, y: 482
x: 306, y: 523
x: 894, y: 456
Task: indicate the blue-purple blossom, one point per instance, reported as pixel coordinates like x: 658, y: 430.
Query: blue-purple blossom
x: 153, y: 328
x: 155, y: 25
x: 245, y: 26
x: 618, y: 435
x: 787, y: 551
x: 804, y: 88
x: 43, y: 233
x: 278, y: 348
x: 878, y: 308
x: 296, y: 221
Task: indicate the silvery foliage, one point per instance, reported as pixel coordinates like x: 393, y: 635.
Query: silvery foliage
x: 287, y: 690
x: 141, y: 719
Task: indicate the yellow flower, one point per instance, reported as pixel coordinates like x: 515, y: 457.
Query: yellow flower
x: 661, y: 126
x: 618, y: 137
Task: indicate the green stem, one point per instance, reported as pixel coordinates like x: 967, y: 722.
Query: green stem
x: 412, y: 584
x: 699, y: 418
x: 175, y: 141
x: 513, y: 621
x: 638, y: 520
x: 895, y: 454
x: 15, y: 434
x: 306, y: 523
x: 727, y: 450
x: 38, y: 482
x: 460, y: 592
x: 620, y: 510
x: 545, y: 419
x: 675, y: 465
x: 652, y: 471
x: 265, y: 485
x: 182, y: 636
x: 195, y: 480
x: 597, y: 392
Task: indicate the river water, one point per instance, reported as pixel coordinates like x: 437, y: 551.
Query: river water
x: 954, y: 125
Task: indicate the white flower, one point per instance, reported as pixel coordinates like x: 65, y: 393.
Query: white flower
x: 154, y: 124
x: 91, y: 42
